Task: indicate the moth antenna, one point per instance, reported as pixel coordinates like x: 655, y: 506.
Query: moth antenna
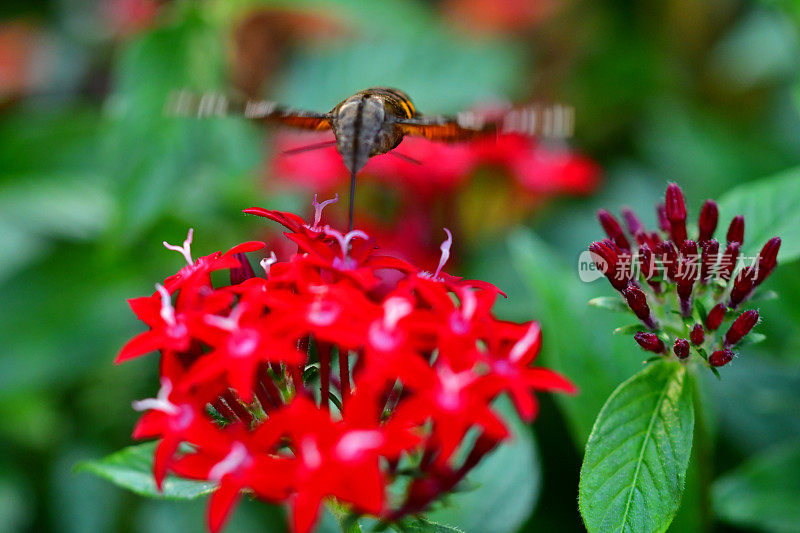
x: 406, y: 158
x: 308, y: 148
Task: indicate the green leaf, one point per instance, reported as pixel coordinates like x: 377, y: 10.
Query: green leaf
x: 422, y: 525
x: 612, y: 303
x: 635, y: 464
x: 762, y: 493
x: 630, y: 329
x: 771, y: 207
x: 501, y: 492
x: 132, y: 468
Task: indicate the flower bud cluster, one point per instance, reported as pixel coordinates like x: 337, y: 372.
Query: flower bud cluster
x: 684, y: 290
x: 323, y: 370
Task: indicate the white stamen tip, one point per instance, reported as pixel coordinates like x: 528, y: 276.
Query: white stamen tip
x: 186, y: 249
x: 160, y: 402
x: 237, y: 458
x: 318, y: 207
x: 445, y: 248
x: 525, y: 343
x: 267, y: 262
x: 167, y: 311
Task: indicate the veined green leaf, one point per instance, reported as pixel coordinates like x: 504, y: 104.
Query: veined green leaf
x: 132, y: 468
x: 635, y: 464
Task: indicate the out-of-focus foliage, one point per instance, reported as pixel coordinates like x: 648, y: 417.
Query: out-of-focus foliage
x: 93, y: 177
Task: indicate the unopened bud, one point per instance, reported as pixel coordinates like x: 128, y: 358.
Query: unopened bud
x: 663, y: 221
x: 613, y: 229
x: 676, y: 213
x: 768, y: 259
x: 650, y: 342
x: 707, y: 221
x: 720, y: 357
x: 736, y: 230
x: 243, y: 272
x: 635, y: 225
x: 697, y: 336
x: 681, y: 348
x: 686, y: 275
x: 709, y: 260
x: 727, y: 263
x: 669, y: 258
x: 637, y: 300
x: 741, y: 327
x: 715, y: 317
x: 742, y: 287
x: 616, y: 272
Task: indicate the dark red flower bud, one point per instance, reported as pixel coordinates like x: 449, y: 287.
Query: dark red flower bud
x: 669, y: 258
x: 649, y: 267
x: 681, y: 348
x: 741, y: 327
x: 650, y: 342
x: 613, y: 229
x: 742, y: 286
x: 736, y: 230
x: 727, y: 262
x: 609, y: 262
x: 688, y: 271
x: 689, y: 248
x: 605, y: 252
x: 697, y: 335
x: 715, y: 317
x: 768, y: 259
x: 707, y: 221
x: 243, y: 272
x: 635, y: 225
x: 663, y: 221
x: 676, y: 213
x: 637, y: 300
x: 709, y: 260
x: 720, y: 357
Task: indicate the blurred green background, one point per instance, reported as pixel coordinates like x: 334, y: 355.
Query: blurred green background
x: 93, y: 177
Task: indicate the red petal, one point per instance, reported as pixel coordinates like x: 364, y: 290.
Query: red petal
x: 546, y: 379
x: 249, y: 246
x: 305, y: 510
x: 222, y: 503
x: 163, y: 457
x: 141, y: 344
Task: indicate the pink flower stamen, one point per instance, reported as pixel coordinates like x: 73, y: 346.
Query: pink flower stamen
x: 353, y: 444
x: 186, y: 249
x: 445, y: 248
x: 228, y: 323
x: 523, y: 345
x: 267, y: 262
x: 160, y: 402
x: 318, y: 207
x: 237, y: 458
x: 167, y: 311
x: 394, y: 309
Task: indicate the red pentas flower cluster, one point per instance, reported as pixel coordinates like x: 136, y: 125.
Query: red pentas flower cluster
x: 682, y: 290
x: 321, y: 379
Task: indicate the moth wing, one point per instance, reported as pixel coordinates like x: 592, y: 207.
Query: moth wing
x: 443, y: 128
x: 535, y: 121
x: 185, y: 103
